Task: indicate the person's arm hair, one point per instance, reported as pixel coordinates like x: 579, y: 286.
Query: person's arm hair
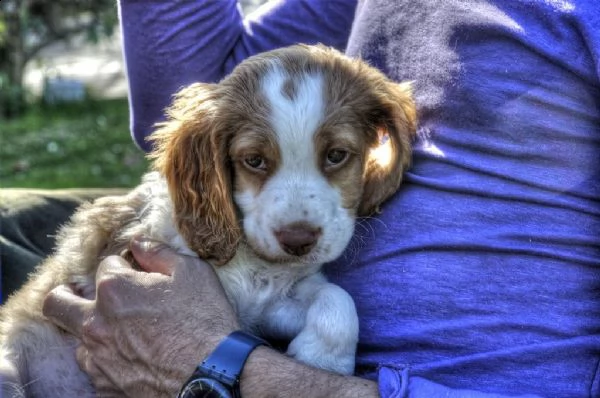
x: 270, y: 374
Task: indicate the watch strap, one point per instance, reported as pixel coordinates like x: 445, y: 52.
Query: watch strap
x: 226, y: 362
x: 224, y: 365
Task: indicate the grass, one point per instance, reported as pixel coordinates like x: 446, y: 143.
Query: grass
x: 79, y: 145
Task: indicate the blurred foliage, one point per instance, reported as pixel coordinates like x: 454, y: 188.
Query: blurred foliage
x: 3, y: 32
x: 29, y: 26
x: 70, y: 145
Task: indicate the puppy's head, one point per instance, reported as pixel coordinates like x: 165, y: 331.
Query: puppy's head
x: 285, y: 151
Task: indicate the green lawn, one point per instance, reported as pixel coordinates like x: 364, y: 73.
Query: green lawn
x: 70, y: 145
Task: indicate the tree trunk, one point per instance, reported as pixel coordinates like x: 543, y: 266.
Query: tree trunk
x: 12, y: 102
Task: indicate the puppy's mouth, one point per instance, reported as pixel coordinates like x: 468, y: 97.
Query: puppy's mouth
x: 293, y: 247
x: 287, y: 259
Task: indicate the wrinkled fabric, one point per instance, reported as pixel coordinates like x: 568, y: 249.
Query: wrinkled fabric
x: 483, y: 272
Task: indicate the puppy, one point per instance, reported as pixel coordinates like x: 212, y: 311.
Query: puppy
x: 262, y: 175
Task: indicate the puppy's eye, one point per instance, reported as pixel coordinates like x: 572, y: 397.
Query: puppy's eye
x: 336, y: 157
x: 256, y: 162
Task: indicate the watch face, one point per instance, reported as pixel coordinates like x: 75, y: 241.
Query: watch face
x: 204, y: 387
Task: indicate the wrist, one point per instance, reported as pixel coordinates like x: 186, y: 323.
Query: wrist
x: 171, y: 375
x: 270, y: 374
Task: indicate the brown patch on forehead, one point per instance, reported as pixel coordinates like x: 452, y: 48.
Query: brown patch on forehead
x: 253, y: 140
x: 244, y: 105
x: 349, y: 100
x: 289, y: 89
x: 345, y: 136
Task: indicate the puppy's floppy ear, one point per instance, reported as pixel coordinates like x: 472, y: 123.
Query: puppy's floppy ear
x: 396, y: 127
x: 190, y: 151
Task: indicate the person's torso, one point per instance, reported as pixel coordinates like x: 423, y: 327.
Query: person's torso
x: 483, y: 271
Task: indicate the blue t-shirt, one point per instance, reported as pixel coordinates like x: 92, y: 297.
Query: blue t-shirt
x: 482, y: 274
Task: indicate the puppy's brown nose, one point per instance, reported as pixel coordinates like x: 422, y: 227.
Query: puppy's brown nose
x: 298, y: 239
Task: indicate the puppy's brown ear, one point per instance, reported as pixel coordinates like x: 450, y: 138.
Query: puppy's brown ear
x: 388, y: 160
x: 190, y: 151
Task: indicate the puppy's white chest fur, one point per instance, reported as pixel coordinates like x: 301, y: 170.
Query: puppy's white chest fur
x: 269, y: 299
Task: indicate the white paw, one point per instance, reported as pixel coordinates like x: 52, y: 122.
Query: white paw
x: 335, y: 356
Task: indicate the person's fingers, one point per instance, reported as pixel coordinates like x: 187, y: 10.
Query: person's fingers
x: 86, y: 361
x: 83, y: 359
x: 66, y: 309
x: 153, y: 256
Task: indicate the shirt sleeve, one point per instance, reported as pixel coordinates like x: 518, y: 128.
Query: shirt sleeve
x: 398, y: 383
x: 168, y: 45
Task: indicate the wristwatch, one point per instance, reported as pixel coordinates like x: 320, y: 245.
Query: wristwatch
x: 218, y: 376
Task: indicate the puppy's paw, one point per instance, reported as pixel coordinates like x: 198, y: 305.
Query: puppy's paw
x: 336, y: 356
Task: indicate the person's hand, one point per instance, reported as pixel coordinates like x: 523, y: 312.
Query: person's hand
x: 145, y: 332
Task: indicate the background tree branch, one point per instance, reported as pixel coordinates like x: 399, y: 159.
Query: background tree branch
x: 29, y: 26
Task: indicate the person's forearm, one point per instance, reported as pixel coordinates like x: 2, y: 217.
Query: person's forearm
x: 168, y: 45
x: 270, y: 374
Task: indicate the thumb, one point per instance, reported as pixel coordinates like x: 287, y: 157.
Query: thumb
x: 153, y: 255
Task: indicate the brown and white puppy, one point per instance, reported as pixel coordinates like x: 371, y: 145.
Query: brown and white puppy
x: 263, y: 175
